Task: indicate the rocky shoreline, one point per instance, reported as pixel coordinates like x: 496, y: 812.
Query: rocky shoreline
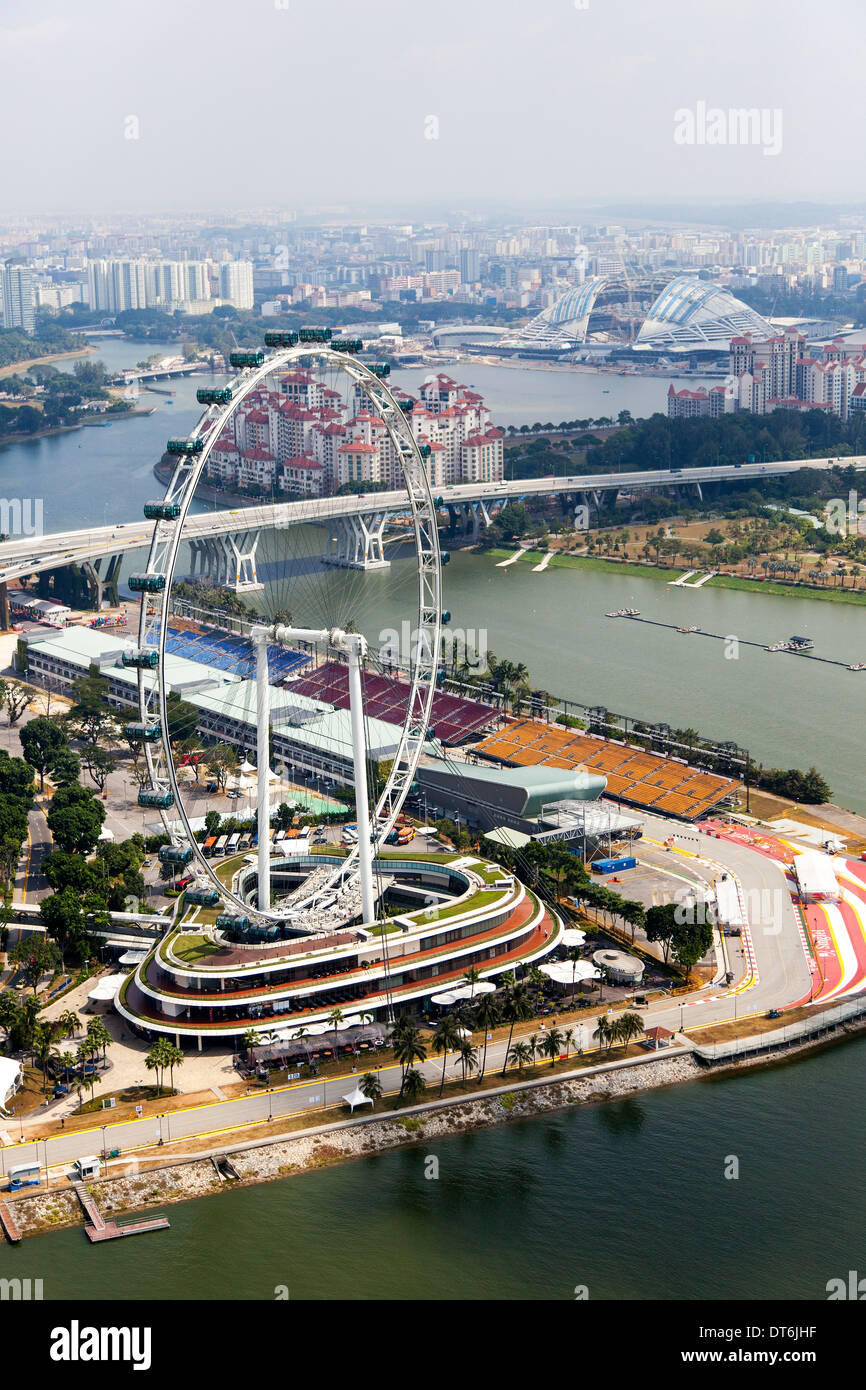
x: 268, y: 1160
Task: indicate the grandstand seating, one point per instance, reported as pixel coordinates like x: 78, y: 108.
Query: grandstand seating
x: 452, y: 720
x: 213, y: 647
x: 646, y: 779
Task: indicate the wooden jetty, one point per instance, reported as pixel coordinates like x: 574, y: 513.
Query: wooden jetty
x: 98, y: 1229
x: 9, y: 1224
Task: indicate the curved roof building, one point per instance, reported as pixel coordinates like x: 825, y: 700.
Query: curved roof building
x: 562, y: 325
x: 692, y: 313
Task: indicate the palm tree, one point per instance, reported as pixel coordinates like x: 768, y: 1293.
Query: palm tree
x: 413, y: 1084
x: 67, y: 1061
x: 551, y: 1044
x: 335, y: 1017
x: 471, y: 978
x: 446, y: 1038
x: 516, y: 1009
x: 43, y: 1049
x: 408, y: 1048
x: 574, y: 954
x: 68, y: 1024
x: 467, y: 1056
x: 251, y: 1039
x: 520, y: 1055
x: 371, y: 1086
x: 568, y: 1038
x: 487, y: 1013
x: 98, y: 1036
x: 602, y: 1031
x: 629, y: 1025
x: 175, y: 1058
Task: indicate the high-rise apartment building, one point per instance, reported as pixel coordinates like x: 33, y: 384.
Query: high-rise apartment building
x: 17, y: 298
x: 236, y: 283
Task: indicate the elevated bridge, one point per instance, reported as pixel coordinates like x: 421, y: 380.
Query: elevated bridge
x: 223, y: 543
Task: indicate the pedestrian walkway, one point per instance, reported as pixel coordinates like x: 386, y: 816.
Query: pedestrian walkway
x: 503, y: 564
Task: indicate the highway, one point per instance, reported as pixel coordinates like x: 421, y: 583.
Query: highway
x: 29, y: 554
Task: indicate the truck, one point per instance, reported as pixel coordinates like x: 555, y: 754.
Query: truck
x: 613, y: 866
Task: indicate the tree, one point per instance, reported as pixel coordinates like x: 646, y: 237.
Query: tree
x: 516, y: 1009
x: 602, y: 1031
x: 66, y: 768
x: 16, y: 698
x: 335, y: 1018
x: 408, y: 1048
x: 34, y: 956
x: 690, y: 942
x: 43, y: 1049
x: 370, y: 1086
x: 661, y: 924
x: 520, y: 1056
x: 221, y: 762
x: 181, y: 718
x: 9, y: 1009
x: 487, y: 1013
x: 64, y: 920
x: 628, y: 1026
x: 99, y: 1036
x: 414, y: 1084
x: 552, y: 1044
x: 467, y: 1056
x: 90, y: 714
x: 42, y: 740
x: 445, y: 1039
x: 75, y: 819
x: 99, y: 763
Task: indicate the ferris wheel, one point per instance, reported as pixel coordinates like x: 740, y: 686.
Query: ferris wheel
x: 305, y: 611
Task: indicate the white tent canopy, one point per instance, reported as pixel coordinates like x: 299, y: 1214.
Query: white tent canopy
x: 573, y: 936
x: 357, y: 1097
x: 563, y: 972
x: 105, y: 992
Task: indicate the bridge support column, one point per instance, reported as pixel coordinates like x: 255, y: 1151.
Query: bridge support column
x: 227, y: 562
x: 360, y: 544
x: 5, y: 622
x: 102, y: 583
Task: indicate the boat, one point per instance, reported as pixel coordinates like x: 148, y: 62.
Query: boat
x: 858, y: 666
x: 778, y: 647
x: 800, y: 644
x: 688, y: 629
x: 624, y: 613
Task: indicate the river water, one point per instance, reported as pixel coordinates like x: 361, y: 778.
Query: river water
x: 628, y: 1199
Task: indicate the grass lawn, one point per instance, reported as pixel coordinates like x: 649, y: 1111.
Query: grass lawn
x: 133, y: 1095
x: 192, y: 948
x: 770, y: 586
x: 31, y: 1095
x: 670, y: 572
x: 593, y: 562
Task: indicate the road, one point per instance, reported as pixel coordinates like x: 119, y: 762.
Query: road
x: 27, y: 554
x: 771, y: 966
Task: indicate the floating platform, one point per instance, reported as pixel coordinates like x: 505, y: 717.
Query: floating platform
x: 98, y: 1229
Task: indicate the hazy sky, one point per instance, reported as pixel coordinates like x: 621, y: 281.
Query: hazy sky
x: 302, y: 103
